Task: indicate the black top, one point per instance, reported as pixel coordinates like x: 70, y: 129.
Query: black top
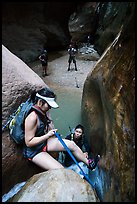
x: 30, y: 152
x: 44, y: 59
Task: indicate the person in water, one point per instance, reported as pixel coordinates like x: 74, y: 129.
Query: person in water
x: 80, y: 140
x: 40, y: 137
x: 78, y: 137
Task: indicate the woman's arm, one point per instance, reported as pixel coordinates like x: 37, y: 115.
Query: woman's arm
x: 31, y: 124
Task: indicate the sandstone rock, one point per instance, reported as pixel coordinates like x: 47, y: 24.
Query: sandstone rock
x: 18, y: 81
x: 108, y: 107
x: 59, y: 185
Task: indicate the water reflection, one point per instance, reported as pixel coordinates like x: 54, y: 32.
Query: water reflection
x: 69, y: 111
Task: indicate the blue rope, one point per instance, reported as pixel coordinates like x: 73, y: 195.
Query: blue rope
x: 68, y: 150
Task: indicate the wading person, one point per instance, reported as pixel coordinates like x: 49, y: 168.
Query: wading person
x: 79, y: 138
x: 40, y: 137
x: 44, y: 62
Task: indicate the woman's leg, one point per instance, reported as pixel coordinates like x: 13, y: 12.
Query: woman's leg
x: 46, y: 161
x: 53, y: 144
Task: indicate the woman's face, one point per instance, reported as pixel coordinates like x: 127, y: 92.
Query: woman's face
x: 78, y: 133
x: 44, y: 106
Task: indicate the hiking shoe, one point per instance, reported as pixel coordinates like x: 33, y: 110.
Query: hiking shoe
x: 93, y: 162
x: 44, y: 74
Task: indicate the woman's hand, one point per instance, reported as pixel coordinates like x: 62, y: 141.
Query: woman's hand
x: 51, y: 132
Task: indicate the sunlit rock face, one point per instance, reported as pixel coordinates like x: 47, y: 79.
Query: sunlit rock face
x: 108, y: 109
x: 59, y: 185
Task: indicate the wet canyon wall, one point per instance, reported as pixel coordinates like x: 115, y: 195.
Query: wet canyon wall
x: 108, y: 110
x: 52, y: 25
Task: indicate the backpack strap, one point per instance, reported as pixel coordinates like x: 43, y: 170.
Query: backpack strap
x: 72, y: 136
x: 42, y: 115
x: 37, y: 108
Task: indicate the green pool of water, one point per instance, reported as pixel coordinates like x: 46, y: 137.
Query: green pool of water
x: 69, y: 111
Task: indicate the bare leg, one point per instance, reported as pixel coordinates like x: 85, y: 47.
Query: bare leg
x: 75, y: 67
x: 55, y: 145
x: 69, y: 67
x: 44, y: 70
x: 69, y: 61
x: 45, y: 161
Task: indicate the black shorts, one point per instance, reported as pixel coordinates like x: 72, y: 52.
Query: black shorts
x: 44, y: 63
x: 71, y: 58
x: 30, y: 152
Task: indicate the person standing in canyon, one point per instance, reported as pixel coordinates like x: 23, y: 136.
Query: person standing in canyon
x: 72, y: 52
x: 88, y: 40
x: 44, y: 62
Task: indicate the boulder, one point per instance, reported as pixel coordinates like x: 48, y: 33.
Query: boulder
x: 18, y: 81
x: 59, y: 185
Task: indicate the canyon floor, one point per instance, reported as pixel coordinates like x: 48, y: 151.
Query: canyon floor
x: 59, y: 77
